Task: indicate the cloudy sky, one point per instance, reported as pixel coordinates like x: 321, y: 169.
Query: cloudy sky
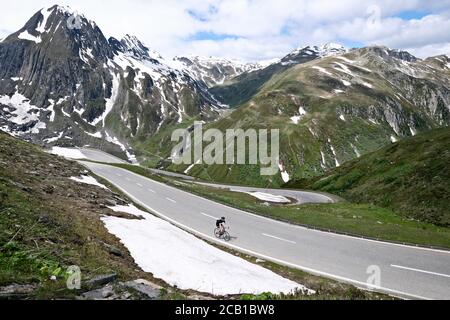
x: 258, y: 29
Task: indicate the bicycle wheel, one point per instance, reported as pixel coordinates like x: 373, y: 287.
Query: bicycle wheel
x: 226, y: 236
x: 217, y: 232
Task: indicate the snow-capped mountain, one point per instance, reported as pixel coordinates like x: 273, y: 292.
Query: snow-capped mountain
x: 313, y: 52
x: 215, y: 71
x: 62, y: 81
x: 245, y: 85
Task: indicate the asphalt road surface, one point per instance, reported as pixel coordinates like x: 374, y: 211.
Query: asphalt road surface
x: 396, y: 269
x: 100, y: 156
x: 300, y: 196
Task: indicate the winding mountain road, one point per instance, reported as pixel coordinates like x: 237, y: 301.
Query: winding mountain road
x: 404, y: 271
x: 299, y: 196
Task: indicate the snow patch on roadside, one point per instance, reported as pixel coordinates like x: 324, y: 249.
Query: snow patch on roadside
x: 89, y: 180
x: 130, y: 209
x: 269, y: 197
x: 68, y: 153
x: 183, y: 260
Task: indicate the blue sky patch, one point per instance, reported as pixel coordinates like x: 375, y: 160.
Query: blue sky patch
x: 206, y: 35
x: 410, y: 15
x: 350, y: 44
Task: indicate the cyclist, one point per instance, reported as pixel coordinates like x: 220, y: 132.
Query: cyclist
x: 221, y: 225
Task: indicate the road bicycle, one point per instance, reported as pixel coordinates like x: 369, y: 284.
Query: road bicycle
x: 225, y: 235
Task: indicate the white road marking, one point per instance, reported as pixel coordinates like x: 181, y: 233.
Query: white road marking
x: 128, y: 179
x: 118, y: 174
x: 139, y: 185
x: 207, y: 215
x: 152, y: 191
x: 281, y: 239
x: 422, y: 271
x: 171, y: 200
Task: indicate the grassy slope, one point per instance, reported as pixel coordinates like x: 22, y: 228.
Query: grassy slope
x: 242, y: 88
x: 410, y: 177
x: 49, y: 222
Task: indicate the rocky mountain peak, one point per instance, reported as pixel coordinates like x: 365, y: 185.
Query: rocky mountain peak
x: 63, y: 32
x: 385, y: 52
x: 133, y: 45
x: 330, y: 49
x: 307, y: 53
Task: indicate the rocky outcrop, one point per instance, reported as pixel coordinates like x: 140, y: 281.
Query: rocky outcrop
x: 16, y: 291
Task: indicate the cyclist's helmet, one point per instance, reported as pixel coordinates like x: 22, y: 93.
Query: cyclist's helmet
x: 223, y: 218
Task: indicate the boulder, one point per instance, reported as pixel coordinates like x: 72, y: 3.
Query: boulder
x: 101, y: 280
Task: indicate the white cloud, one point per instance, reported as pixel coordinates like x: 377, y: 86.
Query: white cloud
x: 431, y: 50
x: 260, y: 29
